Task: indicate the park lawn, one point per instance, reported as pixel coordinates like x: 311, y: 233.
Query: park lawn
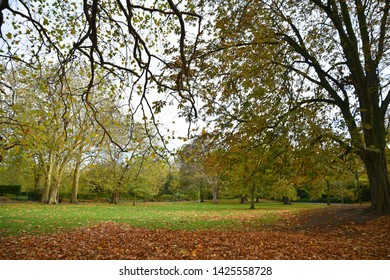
x: 189, y: 230
x: 36, y: 218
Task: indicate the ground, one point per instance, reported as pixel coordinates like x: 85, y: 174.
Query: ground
x: 337, y: 232
x: 329, y: 217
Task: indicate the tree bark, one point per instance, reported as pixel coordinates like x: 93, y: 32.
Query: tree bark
x: 253, y: 196
x: 48, y: 178
x: 327, y: 192
x: 378, y: 177
x: 286, y: 200
x: 115, y: 197
x: 53, y: 194
x: 215, y: 193
x: 201, y: 194
x: 56, y: 181
x: 75, y: 183
x: 358, y: 188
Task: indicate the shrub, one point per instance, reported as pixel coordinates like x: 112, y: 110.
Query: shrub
x: 10, y: 189
x: 34, y: 196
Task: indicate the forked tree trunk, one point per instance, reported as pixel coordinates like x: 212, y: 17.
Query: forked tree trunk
x: 56, y: 182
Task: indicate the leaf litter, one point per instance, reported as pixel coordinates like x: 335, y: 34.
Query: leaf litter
x: 322, y: 234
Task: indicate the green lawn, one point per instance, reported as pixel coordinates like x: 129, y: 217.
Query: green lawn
x: 35, y: 218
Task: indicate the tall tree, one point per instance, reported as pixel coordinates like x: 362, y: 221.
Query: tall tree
x: 331, y: 52
x: 342, y: 51
x: 131, y: 42
x: 49, y: 123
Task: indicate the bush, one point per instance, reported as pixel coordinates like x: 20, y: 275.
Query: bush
x: 34, y: 196
x: 95, y: 197
x: 166, y: 197
x: 10, y: 189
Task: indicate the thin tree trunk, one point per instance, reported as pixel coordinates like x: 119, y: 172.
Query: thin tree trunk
x: 75, y: 183
x: 215, y: 193
x: 38, y: 167
x: 327, y: 192
x: 48, y: 180
x: 201, y: 193
x: 358, y: 188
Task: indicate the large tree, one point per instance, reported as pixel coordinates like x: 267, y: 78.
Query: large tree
x: 341, y: 48
x: 330, y: 52
x: 130, y: 42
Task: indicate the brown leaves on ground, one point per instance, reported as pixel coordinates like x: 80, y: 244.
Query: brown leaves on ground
x: 325, y: 234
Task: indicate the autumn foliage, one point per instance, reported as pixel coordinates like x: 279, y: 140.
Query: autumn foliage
x: 328, y: 233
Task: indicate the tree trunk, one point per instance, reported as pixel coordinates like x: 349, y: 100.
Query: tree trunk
x: 54, y: 188
x: 48, y: 179
x: 56, y: 182
x: 53, y: 194
x: 115, y: 197
x: 253, y: 196
x: 286, y: 200
x: 215, y: 193
x: 358, y: 188
x: 38, y: 167
x: 363, y: 61
x: 327, y: 192
x: 75, y: 184
x: 201, y: 194
x: 378, y: 176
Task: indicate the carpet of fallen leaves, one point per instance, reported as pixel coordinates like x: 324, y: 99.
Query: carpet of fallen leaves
x: 324, y: 234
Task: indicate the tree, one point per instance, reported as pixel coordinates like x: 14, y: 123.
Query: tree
x: 50, y: 125
x: 353, y: 165
x: 200, y: 160
x: 150, y: 178
x: 131, y: 43
x: 332, y: 53
x: 347, y: 66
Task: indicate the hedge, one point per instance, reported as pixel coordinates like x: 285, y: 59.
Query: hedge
x: 10, y: 189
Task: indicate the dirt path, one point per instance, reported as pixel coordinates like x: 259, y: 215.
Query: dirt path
x: 329, y: 217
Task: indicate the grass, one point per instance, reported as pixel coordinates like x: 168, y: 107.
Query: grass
x: 35, y: 218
